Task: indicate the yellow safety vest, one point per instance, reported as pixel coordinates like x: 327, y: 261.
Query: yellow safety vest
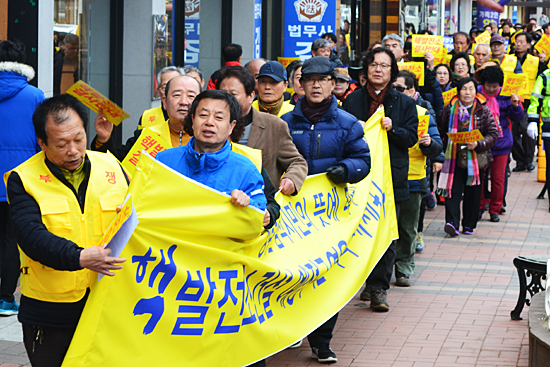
x: 417, y: 159
x: 151, y: 117
x: 531, y: 68
x: 163, y: 130
x: 286, y: 107
x: 508, y: 64
x: 62, y: 216
x: 255, y: 155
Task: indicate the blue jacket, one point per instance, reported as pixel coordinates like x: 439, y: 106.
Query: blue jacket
x: 18, y: 100
x: 337, y: 138
x: 223, y: 170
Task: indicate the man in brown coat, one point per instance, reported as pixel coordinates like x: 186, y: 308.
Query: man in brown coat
x: 286, y: 167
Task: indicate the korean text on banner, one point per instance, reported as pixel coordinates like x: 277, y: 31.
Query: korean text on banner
x: 513, y: 84
x: 149, y: 141
x: 484, y: 37
x: 285, y: 61
x: 426, y: 43
x: 417, y: 68
x: 543, y: 45
x: 95, y: 100
x: 466, y: 137
x: 202, y: 287
x: 423, y: 124
x: 448, y: 95
x: 441, y: 57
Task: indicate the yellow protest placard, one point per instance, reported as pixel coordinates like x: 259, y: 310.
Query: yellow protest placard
x: 95, y: 100
x: 484, y: 37
x: 423, y: 124
x: 149, y: 141
x: 441, y: 57
x: 425, y: 43
x: 543, y: 45
x: 448, y: 59
x: 202, y: 287
x: 115, y: 225
x: 285, y: 61
x: 466, y: 137
x: 513, y: 84
x: 448, y: 95
x: 417, y: 68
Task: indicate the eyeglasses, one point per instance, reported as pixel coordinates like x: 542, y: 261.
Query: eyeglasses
x: 383, y: 66
x: 312, y: 81
x: 442, y: 73
x: 400, y: 88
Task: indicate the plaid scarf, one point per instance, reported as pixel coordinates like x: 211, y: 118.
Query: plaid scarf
x: 445, y: 183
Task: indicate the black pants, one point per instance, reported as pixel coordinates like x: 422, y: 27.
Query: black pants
x: 470, y: 204
x: 379, y: 278
x: 323, y: 334
x: 9, y: 255
x: 46, y: 347
x: 523, y: 150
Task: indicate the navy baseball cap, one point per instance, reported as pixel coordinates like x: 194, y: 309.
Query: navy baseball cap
x: 274, y: 70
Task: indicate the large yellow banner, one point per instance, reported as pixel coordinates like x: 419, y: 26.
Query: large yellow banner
x: 203, y: 286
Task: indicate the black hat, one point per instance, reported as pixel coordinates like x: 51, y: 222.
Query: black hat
x: 317, y: 65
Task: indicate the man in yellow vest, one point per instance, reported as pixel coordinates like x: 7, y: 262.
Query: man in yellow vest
x: 523, y: 149
x: 180, y: 93
x: 508, y: 63
x: 272, y: 83
x: 158, y: 115
x: 61, y: 202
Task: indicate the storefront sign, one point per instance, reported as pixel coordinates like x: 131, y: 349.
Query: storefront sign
x: 257, y: 28
x: 305, y: 21
x: 192, y: 29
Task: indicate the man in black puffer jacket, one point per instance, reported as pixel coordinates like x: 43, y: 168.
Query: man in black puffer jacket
x: 401, y: 123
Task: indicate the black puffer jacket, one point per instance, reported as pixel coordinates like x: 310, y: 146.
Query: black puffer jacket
x: 401, y: 109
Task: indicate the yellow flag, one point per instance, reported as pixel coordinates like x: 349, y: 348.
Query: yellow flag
x: 203, y: 287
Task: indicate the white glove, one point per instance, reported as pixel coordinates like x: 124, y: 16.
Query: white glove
x: 532, y: 130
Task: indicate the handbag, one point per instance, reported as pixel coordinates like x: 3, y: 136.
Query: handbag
x: 462, y: 159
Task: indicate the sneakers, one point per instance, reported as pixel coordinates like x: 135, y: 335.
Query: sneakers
x: 468, y: 231
x: 401, y: 280
x: 378, y: 301
x: 419, y: 241
x: 494, y: 218
x: 298, y: 344
x: 431, y: 204
x: 9, y: 309
x: 451, y: 230
x: 365, y: 294
x: 323, y: 354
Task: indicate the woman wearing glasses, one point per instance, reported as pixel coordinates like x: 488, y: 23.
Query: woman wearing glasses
x: 460, y: 66
x: 444, y: 76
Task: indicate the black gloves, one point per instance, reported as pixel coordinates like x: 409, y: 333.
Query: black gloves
x: 338, y: 174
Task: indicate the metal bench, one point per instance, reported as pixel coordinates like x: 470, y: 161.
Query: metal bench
x: 534, y: 268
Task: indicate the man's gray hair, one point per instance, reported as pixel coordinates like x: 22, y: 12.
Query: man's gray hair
x: 393, y: 36
x: 493, y: 22
x: 482, y: 44
x: 167, y: 69
x: 247, y: 65
x: 191, y: 68
x: 319, y: 43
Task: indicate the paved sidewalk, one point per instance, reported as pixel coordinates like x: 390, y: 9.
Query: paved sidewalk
x: 457, y: 312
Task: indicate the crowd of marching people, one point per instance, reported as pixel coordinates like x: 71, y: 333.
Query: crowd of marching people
x: 307, y: 118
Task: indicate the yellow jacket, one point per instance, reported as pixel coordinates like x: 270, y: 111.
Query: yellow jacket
x: 62, y: 216
x: 417, y: 159
x: 286, y: 107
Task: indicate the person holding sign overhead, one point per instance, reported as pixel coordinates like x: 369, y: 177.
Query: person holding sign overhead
x: 506, y: 111
x: 61, y: 202
x: 461, y: 171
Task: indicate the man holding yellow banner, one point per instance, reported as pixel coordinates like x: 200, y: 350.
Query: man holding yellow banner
x: 179, y: 94
x: 61, y: 201
x: 331, y: 141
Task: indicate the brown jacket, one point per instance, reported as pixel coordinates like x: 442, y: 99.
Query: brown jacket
x: 279, y: 154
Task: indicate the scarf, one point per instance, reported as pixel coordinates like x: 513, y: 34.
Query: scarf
x: 415, y: 96
x: 271, y: 108
x: 375, y: 99
x: 493, y: 105
x: 459, y: 114
x: 313, y: 113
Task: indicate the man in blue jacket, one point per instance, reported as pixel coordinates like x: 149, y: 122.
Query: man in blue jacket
x: 208, y: 157
x: 18, y: 100
x: 332, y: 141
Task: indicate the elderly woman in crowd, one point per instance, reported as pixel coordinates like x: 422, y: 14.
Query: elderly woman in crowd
x: 505, y: 110
x: 444, y: 76
x: 294, y: 72
x: 342, y: 86
x: 460, y: 66
x: 461, y: 171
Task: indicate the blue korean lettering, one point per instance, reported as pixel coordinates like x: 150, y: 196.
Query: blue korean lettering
x: 169, y: 270
x: 153, y: 306
x: 142, y: 264
x: 185, y: 295
x: 199, y: 311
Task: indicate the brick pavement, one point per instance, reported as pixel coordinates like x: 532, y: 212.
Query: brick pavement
x: 457, y: 312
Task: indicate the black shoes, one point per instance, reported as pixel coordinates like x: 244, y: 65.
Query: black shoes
x: 494, y: 218
x: 530, y: 167
x: 519, y: 169
x: 323, y: 354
